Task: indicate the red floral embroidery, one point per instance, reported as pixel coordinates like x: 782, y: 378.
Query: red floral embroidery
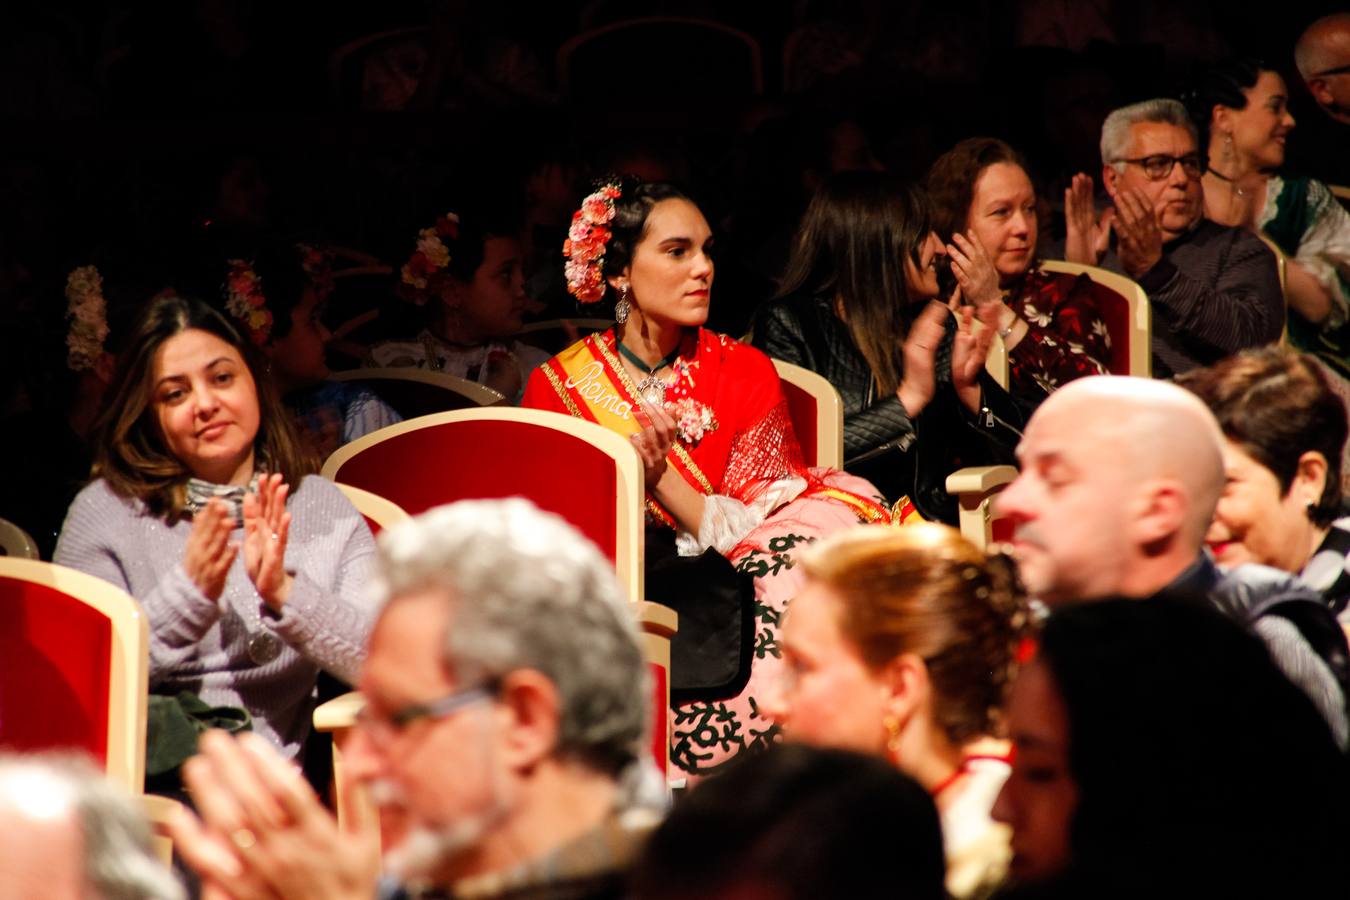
x: 1066, y: 337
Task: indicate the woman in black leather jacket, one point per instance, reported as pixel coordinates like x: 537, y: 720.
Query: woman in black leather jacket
x: 855, y: 307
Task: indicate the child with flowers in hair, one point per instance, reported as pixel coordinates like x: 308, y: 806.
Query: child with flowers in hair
x: 467, y: 275
x: 276, y: 297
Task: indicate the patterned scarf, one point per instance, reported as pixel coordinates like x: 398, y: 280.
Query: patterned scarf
x: 200, y: 492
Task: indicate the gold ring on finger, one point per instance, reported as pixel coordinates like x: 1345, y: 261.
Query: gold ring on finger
x: 243, y: 838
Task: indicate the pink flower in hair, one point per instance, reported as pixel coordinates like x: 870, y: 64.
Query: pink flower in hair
x: 584, y: 248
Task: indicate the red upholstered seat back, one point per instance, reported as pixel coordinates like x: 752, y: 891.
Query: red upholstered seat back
x: 1000, y: 528
x: 803, y: 411
x: 660, y: 699
x: 55, y: 666
x: 429, y: 466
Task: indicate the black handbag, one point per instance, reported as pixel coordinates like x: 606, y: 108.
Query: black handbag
x: 710, y: 655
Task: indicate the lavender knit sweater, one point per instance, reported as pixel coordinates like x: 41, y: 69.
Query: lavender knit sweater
x: 201, y: 645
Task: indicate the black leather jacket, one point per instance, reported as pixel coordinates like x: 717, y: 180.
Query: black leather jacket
x: 915, y: 457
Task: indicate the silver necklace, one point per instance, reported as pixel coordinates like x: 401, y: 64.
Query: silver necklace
x: 652, y: 388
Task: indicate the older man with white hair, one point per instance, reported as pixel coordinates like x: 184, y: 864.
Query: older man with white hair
x: 70, y: 834
x: 1213, y: 289
x: 1120, y: 478
x: 504, y: 727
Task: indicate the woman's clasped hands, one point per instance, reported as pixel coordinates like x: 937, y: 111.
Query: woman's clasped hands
x: 653, y: 443
x: 210, y: 552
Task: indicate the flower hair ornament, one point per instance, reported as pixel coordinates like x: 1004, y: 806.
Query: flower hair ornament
x: 88, y: 314
x: 318, y: 267
x: 424, y: 274
x: 245, y: 301
x: 584, y: 248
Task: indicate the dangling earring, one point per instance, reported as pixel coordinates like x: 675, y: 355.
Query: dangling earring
x: 892, y: 726
x: 622, y: 307
x: 1227, y: 147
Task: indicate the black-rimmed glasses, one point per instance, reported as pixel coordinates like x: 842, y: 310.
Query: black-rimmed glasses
x: 1159, y: 166
x: 1339, y: 70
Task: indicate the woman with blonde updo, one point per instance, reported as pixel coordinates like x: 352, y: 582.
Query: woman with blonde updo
x: 903, y: 643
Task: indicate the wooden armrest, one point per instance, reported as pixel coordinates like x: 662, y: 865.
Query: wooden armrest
x: 159, y: 810
x: 979, y: 479
x: 656, y: 619
x: 339, y: 713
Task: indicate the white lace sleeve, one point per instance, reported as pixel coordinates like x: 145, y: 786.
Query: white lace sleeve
x: 1324, y: 249
x: 727, y: 520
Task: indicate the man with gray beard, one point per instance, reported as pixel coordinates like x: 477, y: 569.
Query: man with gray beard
x: 502, y: 734
x: 1119, y: 480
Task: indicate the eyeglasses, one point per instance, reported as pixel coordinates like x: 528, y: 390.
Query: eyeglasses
x: 1339, y: 70
x: 1159, y: 166
x: 382, y: 729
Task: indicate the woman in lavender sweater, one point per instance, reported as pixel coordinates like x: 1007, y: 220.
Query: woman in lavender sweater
x: 249, y: 589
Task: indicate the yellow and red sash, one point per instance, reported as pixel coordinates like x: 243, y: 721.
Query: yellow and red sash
x: 593, y: 385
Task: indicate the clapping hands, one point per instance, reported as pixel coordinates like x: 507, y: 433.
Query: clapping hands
x: 263, y: 834
x: 976, y: 278
x: 266, y: 529
x: 209, y: 552
x: 970, y: 349
x: 1139, y: 239
x: 919, y: 381
x: 1087, y: 235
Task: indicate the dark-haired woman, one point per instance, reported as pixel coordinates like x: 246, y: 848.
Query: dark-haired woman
x: 1160, y: 753
x: 855, y: 307
x: 706, y: 413
x: 1051, y: 327
x: 1242, y: 105
x: 248, y: 589
x: 468, y: 275
x: 1285, y: 431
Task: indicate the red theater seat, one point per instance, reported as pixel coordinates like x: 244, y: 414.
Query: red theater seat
x: 1125, y: 309
x: 74, y: 667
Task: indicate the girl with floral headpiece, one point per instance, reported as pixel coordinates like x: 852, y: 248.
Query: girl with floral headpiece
x: 277, y: 296
x: 728, y: 495
x: 467, y: 274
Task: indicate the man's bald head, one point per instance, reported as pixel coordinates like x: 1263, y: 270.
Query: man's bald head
x: 1322, y: 55
x: 1150, y: 429
x: 1117, y: 474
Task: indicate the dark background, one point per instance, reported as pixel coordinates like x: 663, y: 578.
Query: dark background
x: 130, y: 129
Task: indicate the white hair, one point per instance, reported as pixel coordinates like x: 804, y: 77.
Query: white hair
x: 528, y: 591
x: 119, y: 862
x: 1116, y: 128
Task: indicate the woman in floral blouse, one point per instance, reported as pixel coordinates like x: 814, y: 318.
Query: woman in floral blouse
x: 1050, y: 324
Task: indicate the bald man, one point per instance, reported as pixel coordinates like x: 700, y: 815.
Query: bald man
x: 1119, y: 481
x: 1322, y: 55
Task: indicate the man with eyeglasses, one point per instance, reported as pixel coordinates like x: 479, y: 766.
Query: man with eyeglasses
x: 502, y: 733
x: 1213, y: 289
x: 1322, y: 55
